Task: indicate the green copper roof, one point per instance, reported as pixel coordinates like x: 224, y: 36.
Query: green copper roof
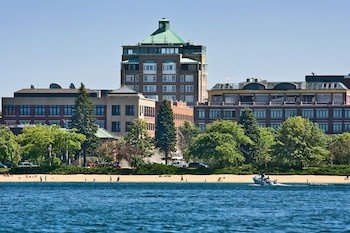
x: 163, y: 35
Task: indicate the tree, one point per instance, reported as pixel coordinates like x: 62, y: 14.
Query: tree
x: 186, y: 133
x: 165, y: 133
x: 300, y: 143
x: 339, y: 148
x: 83, y: 119
x: 251, y: 129
x: 220, y: 145
x: 215, y: 148
x: 267, y: 141
x: 43, y: 144
x: 9, y: 148
x: 229, y: 127
x: 139, y: 140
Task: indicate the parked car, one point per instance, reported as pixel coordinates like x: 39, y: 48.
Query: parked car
x: 179, y: 163
x: 27, y: 164
x: 3, y: 165
x: 198, y: 165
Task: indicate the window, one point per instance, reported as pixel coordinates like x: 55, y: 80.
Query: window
x: 337, y: 113
x: 169, y: 78
x: 321, y: 113
x: 337, y: 127
x: 189, y: 88
x: 150, y: 68
x: 99, y: 110
x: 347, y: 113
x: 10, y: 110
x: 54, y: 110
x: 201, y: 127
x: 188, y: 78
x: 169, y: 88
x: 116, y: 110
x: 182, y: 88
x: 169, y: 97
x: 39, y: 110
x: 149, y: 78
x: 129, y: 78
x: 149, y: 88
x: 182, y: 78
x: 290, y: 113
x: 24, y: 110
x: 323, y: 127
x: 276, y: 114
x: 101, y: 124
x: 115, y: 126
x: 347, y: 126
x: 324, y: 98
x: 307, y: 113
x: 189, y: 98
x: 260, y: 113
x: 201, y: 113
x: 214, y: 114
x: 129, y: 110
x: 338, y: 99
x: 169, y: 68
x: 68, y: 109
x: 229, y: 114
x: 128, y: 126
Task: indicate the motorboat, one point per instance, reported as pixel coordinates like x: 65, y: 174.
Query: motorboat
x: 264, y: 180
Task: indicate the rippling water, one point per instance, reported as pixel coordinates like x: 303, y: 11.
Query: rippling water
x: 172, y: 207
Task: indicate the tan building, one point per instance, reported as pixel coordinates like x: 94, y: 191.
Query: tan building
x: 164, y: 66
x: 114, y: 110
x: 181, y: 112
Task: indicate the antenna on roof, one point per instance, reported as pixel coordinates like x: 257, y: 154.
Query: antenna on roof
x: 228, y: 78
x: 313, y: 74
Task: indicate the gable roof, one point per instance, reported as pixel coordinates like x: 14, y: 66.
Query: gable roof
x: 123, y: 90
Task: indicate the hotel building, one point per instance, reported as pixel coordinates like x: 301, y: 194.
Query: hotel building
x: 164, y: 66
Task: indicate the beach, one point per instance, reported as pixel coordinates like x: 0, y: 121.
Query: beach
x: 303, y: 179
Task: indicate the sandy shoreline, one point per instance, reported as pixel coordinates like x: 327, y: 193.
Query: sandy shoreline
x: 173, y: 178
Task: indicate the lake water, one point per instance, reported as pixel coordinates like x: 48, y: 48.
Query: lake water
x: 172, y: 207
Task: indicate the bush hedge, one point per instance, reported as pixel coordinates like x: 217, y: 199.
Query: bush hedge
x: 161, y: 169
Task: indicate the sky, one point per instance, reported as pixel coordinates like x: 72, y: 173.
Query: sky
x: 80, y: 41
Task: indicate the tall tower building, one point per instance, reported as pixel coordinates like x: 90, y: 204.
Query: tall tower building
x: 164, y: 66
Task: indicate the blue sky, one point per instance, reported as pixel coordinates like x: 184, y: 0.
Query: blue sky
x: 74, y: 41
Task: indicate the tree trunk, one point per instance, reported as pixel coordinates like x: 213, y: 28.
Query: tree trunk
x: 166, y: 157
x: 84, y: 156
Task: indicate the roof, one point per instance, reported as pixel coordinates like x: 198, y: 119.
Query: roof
x: 105, y: 134
x: 123, y: 90
x: 189, y: 61
x: 163, y: 35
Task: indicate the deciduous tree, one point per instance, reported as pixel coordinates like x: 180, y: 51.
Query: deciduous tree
x: 340, y: 149
x: 186, y: 133
x: 300, y: 143
x: 9, y: 148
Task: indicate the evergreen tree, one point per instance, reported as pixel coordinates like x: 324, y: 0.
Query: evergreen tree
x: 83, y: 119
x: 165, y: 135
x: 251, y: 129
